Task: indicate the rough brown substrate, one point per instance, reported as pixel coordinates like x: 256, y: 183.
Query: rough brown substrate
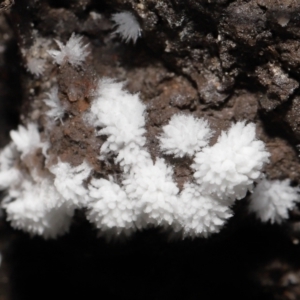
x: 219, y: 59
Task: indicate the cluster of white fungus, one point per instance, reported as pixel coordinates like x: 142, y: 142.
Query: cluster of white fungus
x: 272, y: 199
x: 34, y: 201
x: 74, y: 51
x: 150, y: 188
x: 223, y: 172
x: 34, y: 207
x: 37, y: 55
x: 42, y: 200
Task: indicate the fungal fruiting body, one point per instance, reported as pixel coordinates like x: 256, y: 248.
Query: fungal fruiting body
x: 272, y: 200
x: 127, y: 26
x: 42, y: 197
x: 184, y: 135
x: 229, y: 168
x: 56, y: 110
x: 73, y: 51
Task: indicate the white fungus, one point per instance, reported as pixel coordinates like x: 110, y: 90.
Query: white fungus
x: 9, y: 177
x: 127, y: 26
x: 152, y: 188
x: 56, y: 110
x: 36, y: 56
x: 69, y: 182
x: 200, y: 215
x: 36, y: 66
x: 31, y: 201
x: 272, y: 199
x: 8, y: 156
x: 109, y: 208
x: 73, y: 51
x: 229, y: 168
x: 37, y: 209
x: 121, y: 117
x: 27, y: 139
x: 40, y: 199
x: 184, y: 135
